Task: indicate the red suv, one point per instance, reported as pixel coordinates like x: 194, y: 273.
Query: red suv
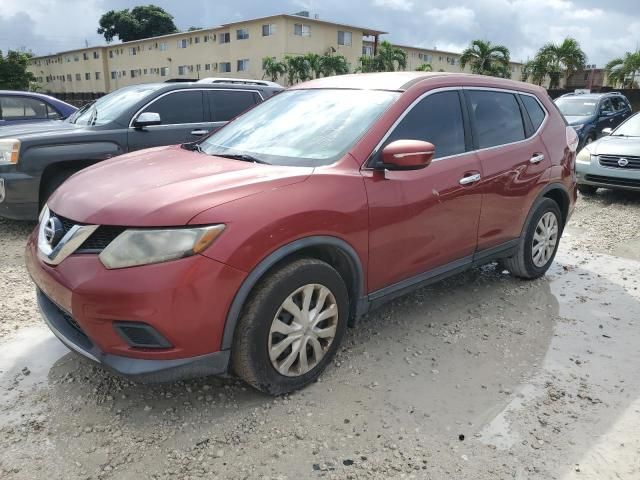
x: 253, y: 249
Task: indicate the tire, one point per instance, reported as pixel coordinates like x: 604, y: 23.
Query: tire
x: 255, y: 341
x: 52, y: 182
x: 587, y: 189
x: 523, y: 264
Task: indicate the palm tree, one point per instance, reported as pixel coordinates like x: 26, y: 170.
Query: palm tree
x: 486, y: 59
x: 367, y: 65
x: 536, y: 70
x: 387, y: 59
x: 298, y: 68
x: 566, y: 57
x: 273, y: 68
x: 315, y: 64
x: 333, y: 64
x: 623, y: 70
x: 425, y: 67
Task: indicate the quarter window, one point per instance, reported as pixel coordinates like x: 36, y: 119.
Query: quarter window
x: 179, y: 107
x: 535, y: 111
x: 437, y: 119
x: 227, y: 104
x: 497, y: 118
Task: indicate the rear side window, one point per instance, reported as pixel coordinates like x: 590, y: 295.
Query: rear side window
x: 619, y: 103
x: 535, y: 111
x: 437, y: 118
x: 22, y: 108
x: 497, y: 118
x: 179, y: 107
x: 227, y: 104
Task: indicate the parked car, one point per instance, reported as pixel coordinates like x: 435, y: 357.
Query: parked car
x: 613, y: 161
x: 39, y: 157
x: 28, y: 107
x: 591, y: 113
x: 254, y: 248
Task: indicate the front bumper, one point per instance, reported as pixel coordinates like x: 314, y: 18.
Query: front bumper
x: 186, y: 301
x: 596, y: 175
x: 18, y: 194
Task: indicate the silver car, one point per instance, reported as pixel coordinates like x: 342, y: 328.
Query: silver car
x: 613, y: 161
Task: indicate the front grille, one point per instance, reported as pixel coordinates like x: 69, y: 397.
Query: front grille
x: 98, y: 240
x: 611, y: 161
x: 618, y: 182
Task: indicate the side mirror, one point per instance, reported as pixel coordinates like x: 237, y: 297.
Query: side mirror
x: 407, y: 155
x: 146, y: 119
x: 607, y: 131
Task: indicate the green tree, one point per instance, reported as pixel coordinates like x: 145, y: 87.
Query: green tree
x: 387, y: 59
x: 331, y: 64
x: 273, y: 68
x: 298, y: 68
x: 561, y: 60
x: 425, y: 67
x: 622, y: 71
x: 314, y: 62
x: 484, y: 58
x: 13, y: 71
x: 140, y: 22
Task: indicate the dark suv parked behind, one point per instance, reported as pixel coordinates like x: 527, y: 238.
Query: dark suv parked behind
x: 35, y: 159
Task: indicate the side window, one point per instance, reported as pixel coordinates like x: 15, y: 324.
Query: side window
x: 619, y: 104
x: 437, y: 119
x: 497, y: 118
x: 227, y: 104
x: 52, y: 113
x: 179, y: 107
x: 605, y: 106
x: 535, y: 111
x: 22, y: 108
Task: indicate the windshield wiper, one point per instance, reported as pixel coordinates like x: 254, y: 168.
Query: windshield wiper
x: 241, y: 156
x: 192, y: 147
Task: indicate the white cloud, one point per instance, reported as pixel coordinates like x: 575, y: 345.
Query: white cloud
x: 401, y: 5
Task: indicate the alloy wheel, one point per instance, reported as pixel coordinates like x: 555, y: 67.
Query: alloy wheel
x: 302, y: 330
x: 545, y: 239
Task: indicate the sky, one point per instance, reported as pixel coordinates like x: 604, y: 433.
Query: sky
x: 605, y: 30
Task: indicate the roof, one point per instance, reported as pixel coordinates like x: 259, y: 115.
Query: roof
x: 589, y: 95
x: 400, y: 81
x: 365, y: 30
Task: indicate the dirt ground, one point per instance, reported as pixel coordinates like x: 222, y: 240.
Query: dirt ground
x: 480, y: 377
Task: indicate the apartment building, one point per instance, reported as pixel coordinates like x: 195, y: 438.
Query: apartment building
x: 232, y: 50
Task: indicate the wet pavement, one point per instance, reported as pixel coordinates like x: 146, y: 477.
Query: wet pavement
x: 480, y: 377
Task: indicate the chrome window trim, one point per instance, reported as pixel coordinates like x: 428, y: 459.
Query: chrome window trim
x: 135, y: 115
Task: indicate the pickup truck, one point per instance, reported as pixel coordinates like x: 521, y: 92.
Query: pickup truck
x: 35, y: 159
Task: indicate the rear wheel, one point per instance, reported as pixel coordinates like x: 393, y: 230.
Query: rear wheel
x: 587, y: 189
x: 538, y: 245
x: 291, y: 327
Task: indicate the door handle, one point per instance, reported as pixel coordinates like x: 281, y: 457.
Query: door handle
x: 469, y: 179
x: 537, y: 158
x: 199, y: 132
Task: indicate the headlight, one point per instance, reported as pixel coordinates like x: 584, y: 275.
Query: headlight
x: 9, y: 150
x: 142, y: 247
x: 577, y: 128
x: 584, y: 157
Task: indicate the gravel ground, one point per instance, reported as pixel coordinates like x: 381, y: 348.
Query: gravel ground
x: 479, y: 377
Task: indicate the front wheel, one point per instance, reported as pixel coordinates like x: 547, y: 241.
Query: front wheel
x: 291, y: 327
x: 537, y: 247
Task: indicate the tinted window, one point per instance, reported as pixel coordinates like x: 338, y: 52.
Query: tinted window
x: 227, y: 104
x: 436, y: 119
x: 535, y: 111
x: 497, y: 118
x: 606, y: 106
x: 619, y: 103
x: 22, y: 108
x: 179, y: 107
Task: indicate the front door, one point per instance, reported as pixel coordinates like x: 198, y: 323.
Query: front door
x: 424, y: 220
x: 184, y: 116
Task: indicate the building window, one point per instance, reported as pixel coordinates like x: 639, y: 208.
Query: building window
x: 196, y: 40
x: 110, y: 53
x: 367, y: 50
x: 87, y: 76
x: 96, y: 54
x: 268, y: 30
x: 135, y: 73
x: 302, y: 30
x: 76, y: 58
x: 183, y: 43
x: 242, y: 34
x: 113, y: 75
x: 85, y: 56
x: 205, y: 38
x: 164, y: 71
x: 132, y: 51
x: 225, y: 67
x: 207, y: 66
x: 225, y: 37
x: 97, y: 75
x: 344, y: 38
x: 182, y: 70
x: 243, y: 65
x: 78, y: 77
x: 162, y: 46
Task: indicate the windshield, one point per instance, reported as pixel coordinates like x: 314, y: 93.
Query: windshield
x: 110, y: 107
x: 630, y: 128
x: 301, y: 127
x: 577, y: 107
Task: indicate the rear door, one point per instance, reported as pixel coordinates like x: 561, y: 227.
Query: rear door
x: 513, y: 157
x: 622, y: 109
x: 225, y: 105
x: 184, y: 117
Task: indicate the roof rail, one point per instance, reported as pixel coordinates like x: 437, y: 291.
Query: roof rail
x: 239, y: 81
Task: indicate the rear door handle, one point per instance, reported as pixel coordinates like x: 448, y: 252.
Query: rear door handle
x: 469, y: 179
x: 199, y: 132
x: 537, y: 158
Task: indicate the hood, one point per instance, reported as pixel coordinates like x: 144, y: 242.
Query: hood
x: 618, y: 146
x: 37, y: 128
x: 577, y: 120
x: 164, y: 186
